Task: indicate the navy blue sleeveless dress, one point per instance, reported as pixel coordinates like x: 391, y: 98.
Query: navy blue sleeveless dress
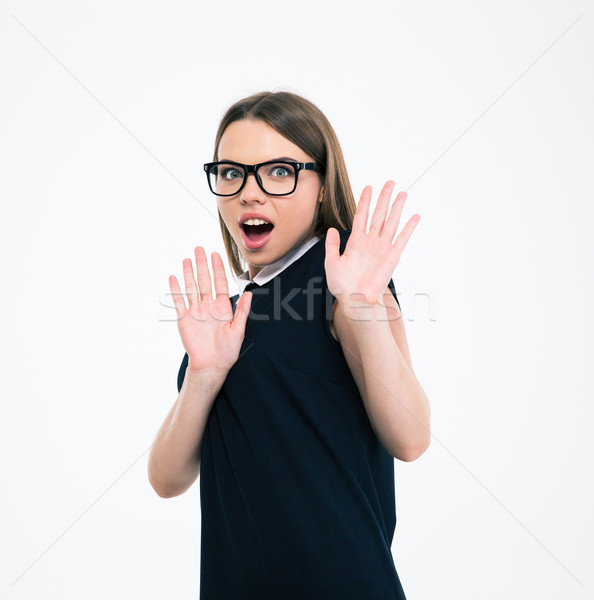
x: 297, y: 493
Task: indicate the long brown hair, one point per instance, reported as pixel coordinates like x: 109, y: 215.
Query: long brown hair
x: 303, y: 124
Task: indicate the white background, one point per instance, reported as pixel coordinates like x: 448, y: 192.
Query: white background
x: 482, y: 111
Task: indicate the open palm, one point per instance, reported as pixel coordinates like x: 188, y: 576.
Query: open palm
x: 363, y: 271
x: 211, y: 334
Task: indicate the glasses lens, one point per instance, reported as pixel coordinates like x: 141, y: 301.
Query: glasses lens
x: 276, y: 178
x: 225, y: 178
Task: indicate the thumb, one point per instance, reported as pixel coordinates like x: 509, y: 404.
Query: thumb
x: 332, y: 244
x: 242, y: 310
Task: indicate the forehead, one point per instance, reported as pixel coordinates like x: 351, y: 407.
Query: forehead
x: 250, y: 141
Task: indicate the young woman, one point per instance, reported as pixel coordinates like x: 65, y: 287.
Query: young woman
x: 296, y: 396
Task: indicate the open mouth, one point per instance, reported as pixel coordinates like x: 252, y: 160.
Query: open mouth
x: 257, y: 232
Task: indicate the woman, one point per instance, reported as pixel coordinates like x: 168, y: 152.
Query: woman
x: 296, y: 396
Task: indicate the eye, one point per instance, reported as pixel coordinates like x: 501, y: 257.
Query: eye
x: 230, y: 173
x: 279, y: 172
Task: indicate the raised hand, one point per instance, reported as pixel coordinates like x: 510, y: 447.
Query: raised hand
x: 211, y: 334
x: 362, y: 273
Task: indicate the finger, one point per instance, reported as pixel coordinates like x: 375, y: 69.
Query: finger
x: 406, y: 232
x: 220, y: 279
x: 361, y: 214
x: 190, y: 282
x: 381, y: 208
x: 204, y: 284
x: 178, y: 299
x: 332, y: 245
x: 242, y: 310
x: 393, y: 220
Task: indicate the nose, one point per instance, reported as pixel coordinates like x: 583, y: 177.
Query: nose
x: 251, y: 191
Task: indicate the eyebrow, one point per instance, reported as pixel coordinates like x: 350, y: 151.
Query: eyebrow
x: 272, y: 159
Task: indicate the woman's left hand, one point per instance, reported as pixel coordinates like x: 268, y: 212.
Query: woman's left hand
x: 361, y: 274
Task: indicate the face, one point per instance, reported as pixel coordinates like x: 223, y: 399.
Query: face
x: 249, y: 142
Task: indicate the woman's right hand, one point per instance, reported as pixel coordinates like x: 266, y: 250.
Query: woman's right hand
x: 211, y: 334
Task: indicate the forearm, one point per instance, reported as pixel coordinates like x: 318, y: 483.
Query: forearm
x: 174, y: 462
x: 396, y: 403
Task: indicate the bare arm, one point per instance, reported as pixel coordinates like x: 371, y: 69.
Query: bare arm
x: 212, y: 336
x: 174, y: 462
x: 370, y: 332
x: 375, y: 347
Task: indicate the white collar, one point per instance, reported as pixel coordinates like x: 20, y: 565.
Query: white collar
x: 273, y: 269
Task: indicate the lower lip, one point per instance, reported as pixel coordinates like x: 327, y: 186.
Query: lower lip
x: 254, y: 244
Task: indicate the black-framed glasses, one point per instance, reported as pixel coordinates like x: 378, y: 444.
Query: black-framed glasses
x: 275, y: 177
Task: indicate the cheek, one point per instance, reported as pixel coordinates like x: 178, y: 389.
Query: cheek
x: 309, y: 206
x: 307, y: 202
x: 224, y: 213
x: 227, y: 220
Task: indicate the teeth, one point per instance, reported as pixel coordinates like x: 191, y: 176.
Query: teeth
x: 255, y: 222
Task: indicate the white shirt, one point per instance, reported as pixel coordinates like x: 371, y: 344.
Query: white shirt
x: 273, y: 269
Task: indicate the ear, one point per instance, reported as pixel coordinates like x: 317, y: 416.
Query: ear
x: 321, y: 194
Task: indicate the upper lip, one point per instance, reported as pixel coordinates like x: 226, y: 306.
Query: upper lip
x: 253, y: 215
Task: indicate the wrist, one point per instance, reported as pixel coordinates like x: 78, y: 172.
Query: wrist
x: 358, y: 311
x: 355, y: 304
x: 205, y: 374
